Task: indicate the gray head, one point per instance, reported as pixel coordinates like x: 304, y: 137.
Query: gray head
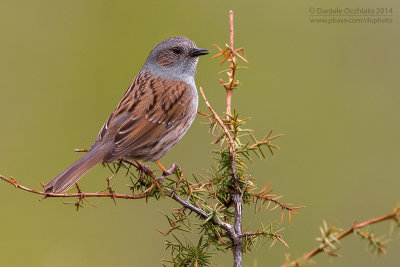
x: 174, y: 58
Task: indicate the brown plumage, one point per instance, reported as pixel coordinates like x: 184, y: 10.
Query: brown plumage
x: 152, y: 116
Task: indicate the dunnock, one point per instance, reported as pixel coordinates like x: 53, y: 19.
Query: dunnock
x: 152, y: 116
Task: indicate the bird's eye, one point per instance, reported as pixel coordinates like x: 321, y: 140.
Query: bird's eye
x: 176, y: 50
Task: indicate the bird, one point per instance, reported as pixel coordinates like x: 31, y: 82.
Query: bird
x: 153, y: 115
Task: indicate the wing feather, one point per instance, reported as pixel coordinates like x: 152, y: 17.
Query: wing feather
x: 147, y: 111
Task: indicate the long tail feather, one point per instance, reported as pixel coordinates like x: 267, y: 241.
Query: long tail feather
x: 74, y: 172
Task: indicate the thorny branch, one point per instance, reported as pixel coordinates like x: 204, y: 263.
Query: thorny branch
x: 227, y: 134
x: 233, y: 232
x: 230, y: 194
x: 230, y: 54
x: 173, y: 225
x: 236, y: 199
x: 227, y: 227
x: 275, y: 236
x: 394, y: 215
x: 189, y: 195
x: 82, y: 195
x: 266, y: 197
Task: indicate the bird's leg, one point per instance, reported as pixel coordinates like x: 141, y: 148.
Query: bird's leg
x: 166, y: 172
x: 146, y: 170
x: 143, y: 170
x: 161, y: 166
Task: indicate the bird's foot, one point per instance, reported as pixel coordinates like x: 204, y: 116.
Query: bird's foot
x: 166, y: 172
x: 144, y: 168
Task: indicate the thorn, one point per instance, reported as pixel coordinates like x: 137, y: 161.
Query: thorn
x: 264, y: 189
x: 160, y: 231
x: 272, y: 244
x: 80, y: 150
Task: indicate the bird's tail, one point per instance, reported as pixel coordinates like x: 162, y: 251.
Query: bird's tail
x: 73, y: 173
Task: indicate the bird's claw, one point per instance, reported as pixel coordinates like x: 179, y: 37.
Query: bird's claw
x: 173, y: 168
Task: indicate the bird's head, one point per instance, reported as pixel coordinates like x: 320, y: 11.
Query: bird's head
x: 174, y: 58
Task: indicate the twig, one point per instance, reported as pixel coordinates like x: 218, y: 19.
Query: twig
x: 236, y: 199
x: 244, y: 186
x: 275, y: 199
x: 276, y: 236
x: 395, y: 215
x: 80, y: 195
x: 181, y: 210
x: 231, y: 142
x: 231, y: 66
x: 230, y: 53
x: 227, y: 227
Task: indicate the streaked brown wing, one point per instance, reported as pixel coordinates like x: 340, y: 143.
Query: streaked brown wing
x: 146, y: 112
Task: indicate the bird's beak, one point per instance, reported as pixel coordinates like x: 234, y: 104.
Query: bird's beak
x: 198, y: 52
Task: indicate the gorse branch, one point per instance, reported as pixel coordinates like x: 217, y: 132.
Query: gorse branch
x: 332, y: 235
x: 216, y: 200
x: 267, y: 198
x: 210, y: 206
x: 81, y: 195
x: 227, y: 134
x: 230, y: 54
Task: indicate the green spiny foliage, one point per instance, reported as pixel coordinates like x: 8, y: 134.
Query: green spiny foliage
x: 208, y: 219
x: 212, y: 192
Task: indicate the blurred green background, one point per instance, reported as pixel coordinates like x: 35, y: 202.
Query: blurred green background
x: 333, y: 90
